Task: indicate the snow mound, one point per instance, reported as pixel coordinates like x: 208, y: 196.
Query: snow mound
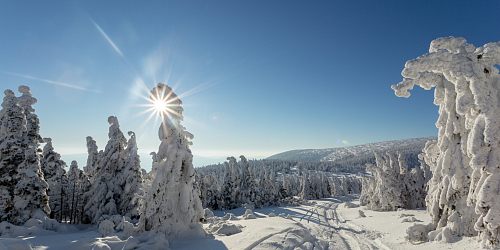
x: 409, y: 219
x: 155, y: 242
x: 272, y: 214
x: 229, y: 216
x: 350, y: 205
x: 249, y: 215
x: 228, y: 229
x: 418, y: 233
x: 106, y: 228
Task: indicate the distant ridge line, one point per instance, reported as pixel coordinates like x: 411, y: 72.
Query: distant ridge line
x: 414, y: 145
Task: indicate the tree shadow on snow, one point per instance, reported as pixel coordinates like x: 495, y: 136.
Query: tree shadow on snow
x: 207, y: 243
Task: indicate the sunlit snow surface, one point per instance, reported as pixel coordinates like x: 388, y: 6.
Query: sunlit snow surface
x: 327, y: 224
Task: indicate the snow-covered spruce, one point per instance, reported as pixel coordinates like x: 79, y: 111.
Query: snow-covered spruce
x: 55, y: 175
x: 93, y: 158
x: 392, y: 186
x: 131, y: 181
x: 30, y: 192
x: 12, y: 152
x: 248, y: 188
x: 466, y: 171
x: 104, y: 194
x: 172, y: 206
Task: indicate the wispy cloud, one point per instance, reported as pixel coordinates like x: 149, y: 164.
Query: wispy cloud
x: 107, y: 37
x: 48, y: 81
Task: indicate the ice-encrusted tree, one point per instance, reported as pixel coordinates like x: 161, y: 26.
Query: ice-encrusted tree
x: 74, y: 187
x: 391, y: 185
x: 172, y: 206
x: 104, y: 194
x: 227, y: 191
x: 131, y: 181
x: 467, y: 169
x: 12, y: 152
x: 93, y: 157
x: 235, y: 180
x: 55, y: 175
x: 30, y: 193
x: 247, y: 189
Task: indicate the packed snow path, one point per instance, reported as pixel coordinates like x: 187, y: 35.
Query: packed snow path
x: 332, y: 231
x: 315, y: 226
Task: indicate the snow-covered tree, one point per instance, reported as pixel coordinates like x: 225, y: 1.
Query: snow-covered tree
x: 307, y: 190
x: 391, y: 185
x: 74, y: 199
x: 131, y: 181
x: 93, y: 157
x: 55, y: 175
x: 247, y: 190
x: 172, y: 206
x: 466, y: 172
x: 227, y: 192
x: 104, y: 194
x: 30, y: 193
x: 12, y: 152
x: 235, y: 180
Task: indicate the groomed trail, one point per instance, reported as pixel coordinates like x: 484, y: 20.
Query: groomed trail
x: 316, y: 226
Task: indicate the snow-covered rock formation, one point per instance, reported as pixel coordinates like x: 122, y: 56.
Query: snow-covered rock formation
x: 463, y: 193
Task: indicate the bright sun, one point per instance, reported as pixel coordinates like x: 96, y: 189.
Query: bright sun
x: 160, y: 106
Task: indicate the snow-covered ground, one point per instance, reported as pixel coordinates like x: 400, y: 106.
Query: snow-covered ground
x: 323, y: 224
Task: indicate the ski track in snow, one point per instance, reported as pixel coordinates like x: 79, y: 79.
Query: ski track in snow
x: 326, y: 229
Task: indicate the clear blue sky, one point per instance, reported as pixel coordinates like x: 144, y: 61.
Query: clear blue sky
x: 256, y: 77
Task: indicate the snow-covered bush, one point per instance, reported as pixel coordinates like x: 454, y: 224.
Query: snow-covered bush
x: 106, y: 228
x: 466, y: 172
x: 172, y: 206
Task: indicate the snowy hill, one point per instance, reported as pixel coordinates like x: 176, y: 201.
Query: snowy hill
x: 359, y: 154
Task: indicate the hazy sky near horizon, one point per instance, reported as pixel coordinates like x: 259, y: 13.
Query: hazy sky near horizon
x: 255, y: 77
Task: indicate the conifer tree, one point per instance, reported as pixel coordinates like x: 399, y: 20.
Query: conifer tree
x: 30, y: 193
x: 12, y: 152
x: 55, y: 175
x: 173, y: 205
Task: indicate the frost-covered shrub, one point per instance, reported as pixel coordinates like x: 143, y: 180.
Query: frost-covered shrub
x: 465, y: 169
